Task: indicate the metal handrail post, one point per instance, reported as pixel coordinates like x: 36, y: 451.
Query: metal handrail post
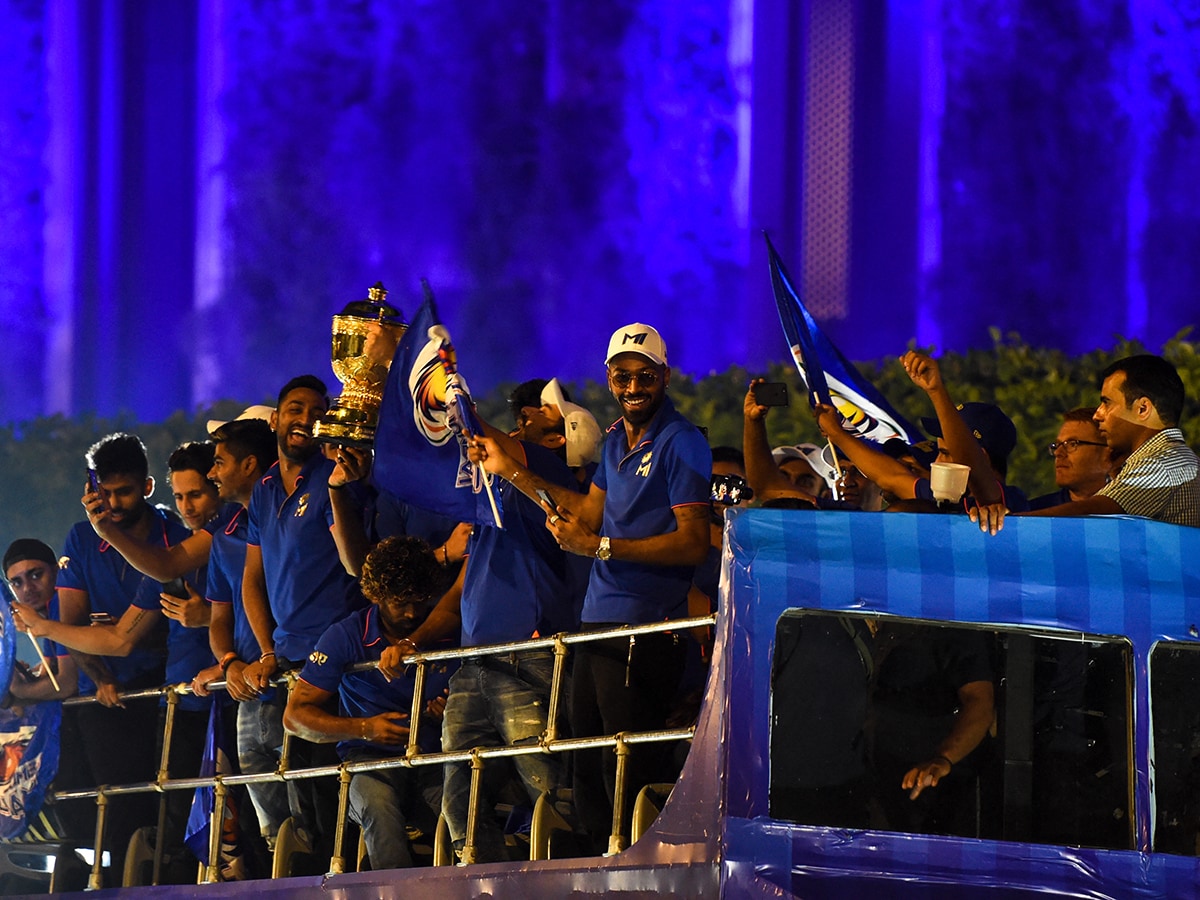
x: 285, y: 752
x: 414, y: 718
x: 337, y: 865
x: 616, y: 840
x: 469, y: 852
x: 216, y: 827
x: 164, y: 774
x: 556, y: 685
x: 94, y: 880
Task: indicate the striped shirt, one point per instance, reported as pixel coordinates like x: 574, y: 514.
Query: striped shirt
x: 1159, y: 481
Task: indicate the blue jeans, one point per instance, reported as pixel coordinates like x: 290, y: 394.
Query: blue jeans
x: 496, y: 702
x: 385, y: 802
x: 259, y: 742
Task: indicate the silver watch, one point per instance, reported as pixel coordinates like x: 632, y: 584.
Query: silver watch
x: 604, y: 551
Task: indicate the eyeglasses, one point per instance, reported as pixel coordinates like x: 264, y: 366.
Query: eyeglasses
x: 34, y: 575
x: 645, y: 378
x: 1070, y: 444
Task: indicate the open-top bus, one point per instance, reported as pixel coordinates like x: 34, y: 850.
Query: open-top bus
x: 1086, y: 783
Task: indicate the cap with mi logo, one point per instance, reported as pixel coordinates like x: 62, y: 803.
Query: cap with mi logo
x: 640, y: 339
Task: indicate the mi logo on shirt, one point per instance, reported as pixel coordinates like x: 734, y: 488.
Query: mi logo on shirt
x: 301, y: 505
x: 643, y: 468
x: 317, y: 658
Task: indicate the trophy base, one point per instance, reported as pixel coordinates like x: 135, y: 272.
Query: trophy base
x: 346, y: 426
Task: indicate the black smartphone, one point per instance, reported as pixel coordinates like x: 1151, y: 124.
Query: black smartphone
x: 94, y: 486
x: 102, y: 618
x: 771, y: 393
x: 175, y: 588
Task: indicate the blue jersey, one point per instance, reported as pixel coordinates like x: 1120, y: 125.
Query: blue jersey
x: 1011, y: 496
x: 307, y: 587
x: 226, y: 565
x: 358, y: 638
x: 390, y: 516
x: 187, y: 648
x: 111, y: 584
x: 671, y: 467
x: 516, y: 581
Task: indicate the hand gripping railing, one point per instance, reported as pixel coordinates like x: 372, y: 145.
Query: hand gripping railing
x: 550, y: 742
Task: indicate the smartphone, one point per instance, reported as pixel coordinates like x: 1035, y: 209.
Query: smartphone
x: 175, y: 588
x: 102, y: 618
x: 94, y: 486
x: 545, y: 498
x: 771, y: 393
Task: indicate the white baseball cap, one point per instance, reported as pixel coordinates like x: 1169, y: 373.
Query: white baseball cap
x: 817, y: 457
x: 579, y: 426
x: 638, y: 338
x: 257, y: 411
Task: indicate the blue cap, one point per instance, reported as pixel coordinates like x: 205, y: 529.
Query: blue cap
x: 994, y: 430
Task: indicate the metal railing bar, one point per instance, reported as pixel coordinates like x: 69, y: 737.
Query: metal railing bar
x: 563, y: 745
x: 546, y: 643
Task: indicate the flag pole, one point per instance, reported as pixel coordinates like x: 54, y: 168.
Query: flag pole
x: 837, y: 467
x: 487, y: 483
x: 45, y: 665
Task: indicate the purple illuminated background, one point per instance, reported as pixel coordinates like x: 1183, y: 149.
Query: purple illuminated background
x: 189, y: 191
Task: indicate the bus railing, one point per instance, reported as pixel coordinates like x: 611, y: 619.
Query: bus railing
x: 549, y: 742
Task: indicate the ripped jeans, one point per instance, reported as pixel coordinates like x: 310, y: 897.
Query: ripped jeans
x: 496, y: 701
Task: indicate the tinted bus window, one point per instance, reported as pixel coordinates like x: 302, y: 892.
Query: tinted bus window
x: 1026, y: 732
x: 1174, y: 680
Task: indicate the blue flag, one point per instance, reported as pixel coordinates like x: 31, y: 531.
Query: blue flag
x: 420, y: 447
x: 8, y: 644
x: 827, y: 375
x: 29, y: 745
x: 220, y: 758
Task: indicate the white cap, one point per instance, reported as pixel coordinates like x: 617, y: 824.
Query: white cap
x: 817, y: 457
x: 579, y: 426
x: 638, y: 338
x: 257, y: 411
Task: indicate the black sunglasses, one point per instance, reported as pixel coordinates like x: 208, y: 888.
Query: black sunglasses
x: 645, y: 378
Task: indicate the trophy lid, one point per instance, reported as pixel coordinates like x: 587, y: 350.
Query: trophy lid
x: 375, y: 307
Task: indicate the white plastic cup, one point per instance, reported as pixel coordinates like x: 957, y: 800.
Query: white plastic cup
x: 948, y: 481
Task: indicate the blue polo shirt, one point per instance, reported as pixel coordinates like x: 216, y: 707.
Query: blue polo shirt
x: 1011, y: 496
x: 226, y: 566
x: 51, y: 648
x: 358, y: 638
x: 390, y: 516
x: 187, y: 648
x: 516, y: 581
x: 96, y: 568
x: 307, y: 587
x: 671, y: 467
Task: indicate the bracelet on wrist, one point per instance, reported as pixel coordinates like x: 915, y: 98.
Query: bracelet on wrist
x: 228, y: 660
x: 269, y: 653
x: 337, y: 487
x: 945, y: 759
x: 445, y: 556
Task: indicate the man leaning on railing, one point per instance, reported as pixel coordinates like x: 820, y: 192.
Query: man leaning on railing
x: 372, y: 721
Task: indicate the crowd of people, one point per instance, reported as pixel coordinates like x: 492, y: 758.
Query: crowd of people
x: 285, y: 558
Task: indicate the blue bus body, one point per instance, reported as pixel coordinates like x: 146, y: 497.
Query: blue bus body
x: 715, y: 837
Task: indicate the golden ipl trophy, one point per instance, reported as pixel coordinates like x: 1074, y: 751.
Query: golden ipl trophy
x: 352, y: 418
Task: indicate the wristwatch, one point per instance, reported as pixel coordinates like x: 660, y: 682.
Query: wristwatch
x: 604, y: 551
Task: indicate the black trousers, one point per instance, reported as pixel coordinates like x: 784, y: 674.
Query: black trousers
x: 115, y: 745
x: 619, y: 687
